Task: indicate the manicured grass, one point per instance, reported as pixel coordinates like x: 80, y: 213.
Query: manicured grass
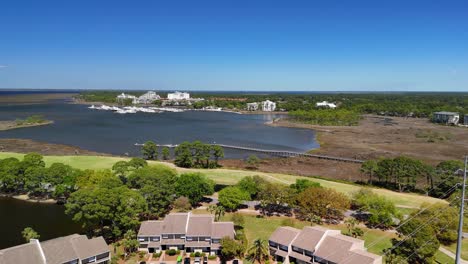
x: 231, y: 176
x: 440, y: 257
x: 453, y: 248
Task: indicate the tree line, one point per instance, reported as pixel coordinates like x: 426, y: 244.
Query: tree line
x: 405, y: 174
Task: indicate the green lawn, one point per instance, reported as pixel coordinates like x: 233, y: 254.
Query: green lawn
x: 232, y: 176
x: 453, y: 248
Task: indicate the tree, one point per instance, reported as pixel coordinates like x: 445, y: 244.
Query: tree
x: 98, y: 209
x: 252, y: 185
x: 166, y: 153
x: 253, y: 161
x: 218, y: 153
x: 28, y: 233
x: 238, y: 220
x: 382, y: 211
x: 217, y: 210
x: 130, y: 242
x: 324, y: 203
x: 275, y: 197
x: 258, y: 251
x: 194, y: 186
x: 353, y: 230
x: 33, y: 160
x: 150, y: 150
x: 137, y: 163
x: 302, y: 184
x: 369, y: 168
x: 120, y: 168
x: 231, y: 248
x: 232, y: 197
x: 157, y: 186
x: 418, y: 247
x: 182, y: 204
x: 183, y: 155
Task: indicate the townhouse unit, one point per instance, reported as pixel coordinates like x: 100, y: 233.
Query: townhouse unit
x: 178, y: 96
x: 318, y: 245
x: 184, y: 231
x: 73, y: 249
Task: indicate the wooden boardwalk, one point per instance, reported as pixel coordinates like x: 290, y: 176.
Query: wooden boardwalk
x: 279, y: 153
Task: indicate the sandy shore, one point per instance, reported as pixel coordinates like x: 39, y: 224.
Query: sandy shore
x: 8, y: 125
x: 379, y: 136
x: 26, y: 198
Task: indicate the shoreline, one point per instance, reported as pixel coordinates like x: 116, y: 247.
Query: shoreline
x: 9, y: 125
x: 26, y: 198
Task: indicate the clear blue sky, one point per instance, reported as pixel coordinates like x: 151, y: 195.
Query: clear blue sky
x: 327, y: 45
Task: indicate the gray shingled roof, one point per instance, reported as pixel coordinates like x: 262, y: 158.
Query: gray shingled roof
x: 150, y: 228
x: 337, y: 248
x: 284, y: 235
x: 59, y: 250
x: 23, y: 254
x: 175, y: 223
x: 222, y: 229
x: 200, y: 225
x: 309, y: 237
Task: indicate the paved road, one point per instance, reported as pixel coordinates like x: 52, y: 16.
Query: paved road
x: 450, y: 254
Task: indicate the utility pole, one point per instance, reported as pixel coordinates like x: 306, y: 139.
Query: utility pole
x: 460, y: 221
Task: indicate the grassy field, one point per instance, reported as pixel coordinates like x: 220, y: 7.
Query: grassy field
x: 231, y: 176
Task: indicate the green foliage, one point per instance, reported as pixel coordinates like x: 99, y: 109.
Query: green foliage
x: 232, y: 197
x: 165, y: 153
x: 238, y: 219
x: 231, y: 248
x: 28, y: 233
x: 198, y: 155
x: 258, y: 251
x: 253, y: 161
x: 137, y: 163
x: 217, y: 210
x: 157, y: 185
x: 182, y: 204
x: 302, y: 184
x: 130, y: 242
x: 194, y: 186
x: 99, y: 209
x: 120, y: 168
x: 150, y: 151
x: 171, y: 252
x: 321, y: 203
x: 34, y: 119
x: 382, y: 211
x: 326, y: 117
x: 251, y: 185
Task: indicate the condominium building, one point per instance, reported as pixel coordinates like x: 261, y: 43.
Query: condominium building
x: 325, y: 104
x: 178, y: 96
x: 147, y: 98
x: 252, y: 106
x: 268, y: 106
x: 184, y: 231
x: 318, y: 245
x: 73, y: 249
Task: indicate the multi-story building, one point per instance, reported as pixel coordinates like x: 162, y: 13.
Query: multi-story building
x: 252, y: 106
x: 184, y: 231
x: 268, y: 106
x: 73, y: 249
x: 325, y: 104
x: 147, y: 98
x: 449, y: 118
x: 121, y: 97
x: 465, y: 120
x: 178, y: 96
x: 318, y: 245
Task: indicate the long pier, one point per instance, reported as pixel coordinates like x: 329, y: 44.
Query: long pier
x: 280, y: 153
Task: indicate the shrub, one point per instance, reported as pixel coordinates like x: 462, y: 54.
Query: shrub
x: 192, y: 254
x: 197, y: 254
x: 156, y: 255
x: 141, y: 254
x: 171, y: 252
x: 212, y: 257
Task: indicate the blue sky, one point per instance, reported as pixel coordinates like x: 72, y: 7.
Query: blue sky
x: 235, y: 45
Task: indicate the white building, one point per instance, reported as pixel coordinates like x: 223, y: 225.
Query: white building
x: 325, y: 104
x: 124, y: 96
x: 268, y: 106
x: 252, y: 106
x: 178, y: 96
x: 449, y: 118
x: 147, y: 98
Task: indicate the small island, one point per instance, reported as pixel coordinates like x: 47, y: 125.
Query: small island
x: 34, y: 120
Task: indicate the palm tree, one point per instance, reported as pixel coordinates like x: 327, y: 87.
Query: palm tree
x: 258, y: 251
x: 217, y: 210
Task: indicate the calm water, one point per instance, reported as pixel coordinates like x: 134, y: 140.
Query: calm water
x: 105, y: 131
x: 49, y: 220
